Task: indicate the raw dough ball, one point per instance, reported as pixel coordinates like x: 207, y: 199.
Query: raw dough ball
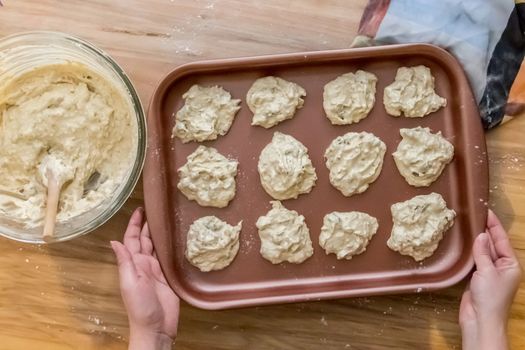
x: 272, y: 100
x: 355, y: 161
x: 421, y: 156
x: 284, y: 235
x: 412, y: 93
x: 350, y: 97
x: 419, y: 224
x: 207, y: 113
x: 212, y: 244
x: 208, y: 177
x: 285, y: 169
x: 347, y: 234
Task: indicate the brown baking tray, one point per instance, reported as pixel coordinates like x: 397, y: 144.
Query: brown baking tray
x: 250, y: 279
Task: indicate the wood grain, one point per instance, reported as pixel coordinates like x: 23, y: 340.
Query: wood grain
x: 66, y: 296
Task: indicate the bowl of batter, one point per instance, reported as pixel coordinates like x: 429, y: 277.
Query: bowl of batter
x: 67, y: 103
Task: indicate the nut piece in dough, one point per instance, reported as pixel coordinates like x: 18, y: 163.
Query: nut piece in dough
x: 350, y: 97
x: 212, y: 244
x: 421, y: 156
x: 208, y: 177
x: 284, y: 235
x: 285, y: 169
x: 419, y: 225
x: 355, y: 161
x: 412, y: 93
x: 273, y: 100
x: 207, y: 113
x: 347, y: 234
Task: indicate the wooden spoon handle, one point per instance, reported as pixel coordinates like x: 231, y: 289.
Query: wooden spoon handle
x: 53, y: 193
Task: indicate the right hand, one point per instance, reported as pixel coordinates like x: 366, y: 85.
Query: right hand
x: 486, y: 302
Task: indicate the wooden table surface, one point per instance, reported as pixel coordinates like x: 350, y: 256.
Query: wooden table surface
x: 66, y: 296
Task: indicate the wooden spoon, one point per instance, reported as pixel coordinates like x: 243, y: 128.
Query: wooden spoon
x: 53, y: 193
x: 55, y: 172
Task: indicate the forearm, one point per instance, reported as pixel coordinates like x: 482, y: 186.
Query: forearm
x: 484, y: 337
x: 147, y: 340
x: 493, y: 337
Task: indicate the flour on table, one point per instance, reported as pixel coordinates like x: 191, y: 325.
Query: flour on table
x: 350, y: 97
x: 207, y: 113
x: 412, y: 93
x: 285, y: 168
x: 284, y: 235
x: 347, y: 234
x: 211, y: 243
x: 273, y: 100
x: 419, y: 225
x: 421, y: 156
x: 355, y: 161
x: 208, y: 177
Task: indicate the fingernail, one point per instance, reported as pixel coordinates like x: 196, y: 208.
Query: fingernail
x: 484, y: 239
x: 137, y: 211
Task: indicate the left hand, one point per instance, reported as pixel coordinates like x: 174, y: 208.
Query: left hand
x: 152, y: 306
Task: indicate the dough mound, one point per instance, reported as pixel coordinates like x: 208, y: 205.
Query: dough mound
x: 68, y: 116
x: 273, y: 100
x: 284, y: 235
x: 421, y: 156
x: 350, y: 97
x: 208, y: 177
x: 347, y: 234
x: 207, y: 113
x: 355, y: 161
x: 412, y: 93
x: 419, y: 225
x: 212, y: 244
x: 285, y: 169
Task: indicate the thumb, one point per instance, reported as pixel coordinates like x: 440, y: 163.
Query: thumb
x: 481, y: 252
x: 126, y: 267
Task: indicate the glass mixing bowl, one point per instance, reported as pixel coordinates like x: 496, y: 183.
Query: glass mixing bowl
x: 22, y: 52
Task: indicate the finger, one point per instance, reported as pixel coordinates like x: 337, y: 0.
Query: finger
x: 158, y: 273
x: 157, y: 270
x: 126, y: 267
x: 464, y: 308
x: 467, y: 287
x: 466, y: 293
x: 499, y: 237
x: 493, y: 254
x: 481, y: 252
x: 132, y: 235
x: 146, y: 246
x: 466, y: 299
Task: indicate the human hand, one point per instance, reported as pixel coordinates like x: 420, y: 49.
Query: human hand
x: 487, y: 300
x: 152, y: 306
